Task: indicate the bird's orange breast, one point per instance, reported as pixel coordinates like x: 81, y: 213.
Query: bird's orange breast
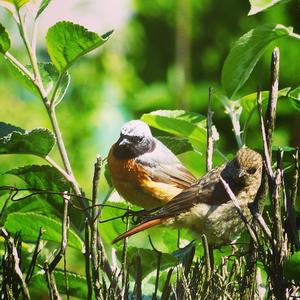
x: 136, y: 186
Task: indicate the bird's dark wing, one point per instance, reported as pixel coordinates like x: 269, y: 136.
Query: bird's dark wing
x: 208, y: 190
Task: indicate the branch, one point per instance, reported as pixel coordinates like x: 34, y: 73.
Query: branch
x: 210, y: 140
x: 64, y: 238
x: 94, y: 231
x: 273, y: 97
x: 16, y: 263
x: 238, y: 208
x: 87, y: 261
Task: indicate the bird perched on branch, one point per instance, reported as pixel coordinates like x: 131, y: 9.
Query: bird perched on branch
x: 205, y: 207
x: 143, y: 170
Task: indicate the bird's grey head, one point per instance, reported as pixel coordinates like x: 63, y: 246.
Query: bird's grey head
x: 135, y: 139
x: 246, y: 167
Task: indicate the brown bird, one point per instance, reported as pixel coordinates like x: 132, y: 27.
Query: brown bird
x: 143, y: 170
x: 205, y: 207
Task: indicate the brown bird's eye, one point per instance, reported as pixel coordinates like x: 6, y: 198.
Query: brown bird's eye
x: 251, y: 170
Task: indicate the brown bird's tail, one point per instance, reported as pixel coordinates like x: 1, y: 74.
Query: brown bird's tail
x: 138, y: 228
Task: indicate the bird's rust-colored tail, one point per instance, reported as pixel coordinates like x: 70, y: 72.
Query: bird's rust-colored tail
x: 138, y: 228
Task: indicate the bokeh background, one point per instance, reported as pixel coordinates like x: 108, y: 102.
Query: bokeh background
x: 163, y: 54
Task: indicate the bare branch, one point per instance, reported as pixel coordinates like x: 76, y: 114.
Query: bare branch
x: 238, y: 208
x: 210, y: 141
x: 16, y: 263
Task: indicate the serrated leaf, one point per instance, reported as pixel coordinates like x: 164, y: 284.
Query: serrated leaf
x: 42, y: 7
x: 260, y: 5
x: 178, y: 122
x: 4, y: 39
x: 66, y: 42
x: 294, y: 97
x: 77, y: 286
x: 48, y: 179
x: 245, y: 54
x: 175, y: 144
x: 50, y: 76
x: 148, y: 260
x: 38, y: 141
x: 30, y: 223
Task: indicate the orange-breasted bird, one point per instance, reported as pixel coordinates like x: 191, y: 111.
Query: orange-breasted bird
x: 143, y: 170
x: 205, y: 207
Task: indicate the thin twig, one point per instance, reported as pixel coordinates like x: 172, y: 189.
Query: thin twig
x: 209, y: 133
x: 34, y: 257
x: 64, y: 238
x: 52, y: 287
x: 154, y: 295
x: 207, y: 258
x: 238, y: 208
x: 273, y: 97
x: 87, y: 261
x: 16, y: 263
x: 95, y: 232
x: 267, y: 157
x: 57, y: 167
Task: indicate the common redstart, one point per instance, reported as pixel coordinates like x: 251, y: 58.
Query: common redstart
x: 143, y: 170
x: 205, y: 207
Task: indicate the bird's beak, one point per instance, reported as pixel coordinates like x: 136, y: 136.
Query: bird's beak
x: 122, y: 142
x: 241, y: 173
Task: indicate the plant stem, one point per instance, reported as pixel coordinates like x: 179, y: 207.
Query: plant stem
x: 31, y: 54
x: 62, y: 150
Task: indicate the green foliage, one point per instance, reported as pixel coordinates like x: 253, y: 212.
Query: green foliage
x: 260, y: 5
x: 77, y: 286
x: 4, y: 40
x: 29, y: 224
x: 66, y: 42
x: 43, y: 6
x: 17, y: 3
x: 176, y: 144
x: 180, y: 123
x: 149, y: 260
x: 245, y: 54
x: 294, y: 96
x: 292, y: 267
x: 38, y: 141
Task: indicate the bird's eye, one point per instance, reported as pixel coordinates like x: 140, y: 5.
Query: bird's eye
x: 251, y: 170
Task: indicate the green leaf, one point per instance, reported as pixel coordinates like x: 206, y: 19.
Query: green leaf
x: 245, y: 54
x: 42, y: 7
x: 4, y: 39
x: 23, y: 78
x: 107, y: 176
x: 50, y: 77
x: 178, y: 122
x: 66, y: 42
x: 77, y: 286
x: 48, y: 179
x: 148, y: 260
x: 38, y: 141
x: 260, y: 5
x: 30, y: 223
x: 175, y: 144
x: 249, y: 102
x: 294, y: 97
x: 17, y: 3
x: 291, y: 268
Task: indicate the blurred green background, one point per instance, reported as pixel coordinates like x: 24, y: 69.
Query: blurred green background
x: 163, y: 54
